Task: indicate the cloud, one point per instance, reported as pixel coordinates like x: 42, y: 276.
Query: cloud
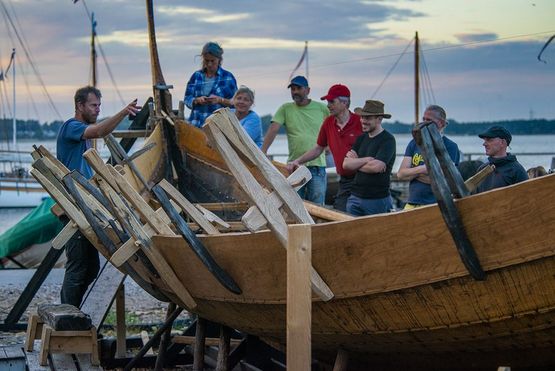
x: 476, y: 37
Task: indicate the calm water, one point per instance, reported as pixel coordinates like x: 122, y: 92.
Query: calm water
x: 521, y: 145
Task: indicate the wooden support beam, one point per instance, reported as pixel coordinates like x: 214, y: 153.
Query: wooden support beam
x: 341, y: 361
x: 291, y: 200
x: 131, y: 133
x: 135, y: 229
x: 253, y: 218
x: 164, y: 341
x: 200, y: 343
x: 121, y: 327
x: 195, y: 244
x: 65, y: 234
x: 209, y: 342
x: 222, y: 361
x: 188, y: 207
x: 474, y: 181
x: 212, y: 218
x: 299, y: 304
x: 258, y: 196
x: 321, y: 212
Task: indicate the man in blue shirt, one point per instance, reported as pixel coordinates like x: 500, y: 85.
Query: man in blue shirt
x: 413, y: 168
x: 74, y: 138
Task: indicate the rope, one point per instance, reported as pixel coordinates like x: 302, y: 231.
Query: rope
x: 391, y: 69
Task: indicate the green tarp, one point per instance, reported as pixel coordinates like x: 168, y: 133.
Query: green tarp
x: 37, y: 227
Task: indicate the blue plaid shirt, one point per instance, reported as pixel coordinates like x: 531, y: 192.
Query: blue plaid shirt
x: 224, y: 86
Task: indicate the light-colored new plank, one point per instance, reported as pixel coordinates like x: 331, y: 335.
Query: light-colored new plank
x: 188, y: 207
x: 299, y: 304
x: 253, y: 218
x: 65, y: 234
x: 211, y: 217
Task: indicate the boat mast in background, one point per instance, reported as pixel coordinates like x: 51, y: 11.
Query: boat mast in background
x: 416, y: 79
x: 93, y: 50
x: 14, y: 122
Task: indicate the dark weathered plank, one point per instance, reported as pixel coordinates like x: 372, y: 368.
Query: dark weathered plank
x: 203, y: 254
x: 64, y: 317
x: 448, y: 209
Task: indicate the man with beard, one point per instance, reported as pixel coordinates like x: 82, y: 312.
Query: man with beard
x: 372, y: 157
x: 339, y: 131
x: 507, y: 169
x: 74, y: 138
x: 302, y: 119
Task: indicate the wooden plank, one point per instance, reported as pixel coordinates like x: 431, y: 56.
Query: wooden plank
x: 224, y: 206
x: 450, y: 171
x: 212, y: 218
x: 148, y: 214
x: 253, y: 190
x: 101, y: 294
x: 132, y: 225
x: 209, y: 342
x: 222, y: 361
x: 121, y: 328
x: 259, y: 197
x: 321, y: 212
x: 341, y: 360
x: 95, y: 162
x: 291, y: 199
x: 194, y: 243
x: 65, y: 234
x: 188, y: 207
x: 253, y: 218
x: 73, y: 212
x: 46, y: 153
x: 131, y: 133
x: 144, y: 337
x: 200, y: 343
x: 125, y: 251
x: 299, y: 304
x: 448, y: 209
x: 474, y: 181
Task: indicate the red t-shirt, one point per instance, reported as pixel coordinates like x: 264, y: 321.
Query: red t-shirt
x: 340, y: 141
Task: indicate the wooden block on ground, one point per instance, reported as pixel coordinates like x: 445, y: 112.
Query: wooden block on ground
x: 64, y: 317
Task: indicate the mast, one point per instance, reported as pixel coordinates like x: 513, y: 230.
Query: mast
x: 416, y: 79
x: 93, y: 50
x: 162, y: 96
x: 306, y: 66
x: 13, y: 82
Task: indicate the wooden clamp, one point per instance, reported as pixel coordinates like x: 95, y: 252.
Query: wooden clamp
x: 258, y: 195
x: 447, y: 206
x: 198, y: 248
x: 474, y: 181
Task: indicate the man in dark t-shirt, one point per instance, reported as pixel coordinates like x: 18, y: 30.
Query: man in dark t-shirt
x: 372, y: 156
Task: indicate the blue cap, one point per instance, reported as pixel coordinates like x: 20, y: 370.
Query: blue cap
x: 299, y: 81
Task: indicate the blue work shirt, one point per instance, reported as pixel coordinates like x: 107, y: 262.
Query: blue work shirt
x: 224, y: 86
x: 70, y: 147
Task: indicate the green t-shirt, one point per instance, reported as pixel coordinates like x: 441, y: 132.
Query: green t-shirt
x: 302, y: 125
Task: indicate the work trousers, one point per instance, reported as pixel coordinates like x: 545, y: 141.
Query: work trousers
x: 82, y: 267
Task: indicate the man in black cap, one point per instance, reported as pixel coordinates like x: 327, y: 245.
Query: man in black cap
x: 302, y: 120
x: 507, y: 169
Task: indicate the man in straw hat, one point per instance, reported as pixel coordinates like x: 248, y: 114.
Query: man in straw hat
x: 339, y: 131
x: 507, y: 169
x: 302, y: 119
x: 413, y: 168
x: 372, y: 156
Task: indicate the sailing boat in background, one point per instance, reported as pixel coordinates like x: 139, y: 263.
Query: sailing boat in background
x: 17, y: 187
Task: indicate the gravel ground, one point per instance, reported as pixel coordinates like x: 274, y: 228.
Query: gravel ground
x: 141, y: 308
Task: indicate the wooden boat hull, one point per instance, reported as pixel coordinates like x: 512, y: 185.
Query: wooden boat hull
x: 399, y: 284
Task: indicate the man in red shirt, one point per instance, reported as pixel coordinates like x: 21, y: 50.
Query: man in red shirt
x: 338, y: 132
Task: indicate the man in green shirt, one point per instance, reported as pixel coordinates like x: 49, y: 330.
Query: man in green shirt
x: 302, y: 120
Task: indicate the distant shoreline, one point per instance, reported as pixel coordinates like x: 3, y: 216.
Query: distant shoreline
x: 32, y: 129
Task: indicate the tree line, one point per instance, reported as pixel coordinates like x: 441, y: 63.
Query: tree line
x: 33, y: 129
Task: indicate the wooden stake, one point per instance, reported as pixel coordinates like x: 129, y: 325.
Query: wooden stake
x: 223, y: 351
x: 121, y: 328
x: 299, y: 303
x: 198, y: 352
x: 341, y: 360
